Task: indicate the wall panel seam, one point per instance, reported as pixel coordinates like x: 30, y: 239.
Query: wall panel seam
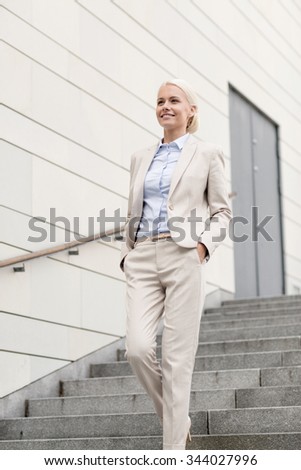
x: 64, y: 325
x: 250, y: 57
x: 222, y: 91
x: 274, y: 28
x: 260, y: 32
x: 75, y: 55
x: 67, y: 170
x: 62, y: 135
x: 251, y: 78
x: 81, y: 89
x: 289, y: 13
x: 41, y: 356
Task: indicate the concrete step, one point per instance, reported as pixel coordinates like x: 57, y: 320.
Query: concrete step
x: 127, y: 403
x: 250, y: 322
x: 264, y: 397
x: 236, y: 313
x: 256, y: 300
x: 106, y: 425
x: 267, y: 441
x: 140, y: 402
x: 256, y: 441
x: 218, y: 362
x: 255, y: 420
x: 96, y: 443
x: 270, y: 331
x: 259, y: 305
x: 243, y: 333
x: 239, y: 346
x: 244, y: 378
x: 236, y: 378
x: 281, y: 376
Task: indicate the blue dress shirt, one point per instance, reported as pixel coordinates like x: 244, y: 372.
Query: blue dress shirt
x: 156, y: 188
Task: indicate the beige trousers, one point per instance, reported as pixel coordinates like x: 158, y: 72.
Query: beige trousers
x: 163, y: 277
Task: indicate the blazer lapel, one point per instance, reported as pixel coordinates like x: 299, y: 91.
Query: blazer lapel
x: 139, y: 187
x: 185, y: 156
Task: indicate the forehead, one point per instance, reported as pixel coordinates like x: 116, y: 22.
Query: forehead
x: 167, y: 91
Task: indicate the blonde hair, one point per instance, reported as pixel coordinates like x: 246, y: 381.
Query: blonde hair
x: 192, y: 98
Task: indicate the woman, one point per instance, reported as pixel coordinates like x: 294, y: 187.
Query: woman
x: 169, y: 238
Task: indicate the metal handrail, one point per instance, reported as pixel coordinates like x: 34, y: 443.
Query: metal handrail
x: 57, y: 249
x: 67, y: 246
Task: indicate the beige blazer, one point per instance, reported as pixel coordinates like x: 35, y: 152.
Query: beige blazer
x: 197, y: 190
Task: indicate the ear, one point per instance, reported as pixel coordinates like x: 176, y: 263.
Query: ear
x: 193, y: 110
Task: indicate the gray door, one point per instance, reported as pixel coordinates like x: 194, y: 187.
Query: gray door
x: 258, y: 253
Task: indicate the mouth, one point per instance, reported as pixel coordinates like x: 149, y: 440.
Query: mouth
x: 167, y: 115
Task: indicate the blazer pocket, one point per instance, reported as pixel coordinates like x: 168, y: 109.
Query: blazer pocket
x: 201, y: 263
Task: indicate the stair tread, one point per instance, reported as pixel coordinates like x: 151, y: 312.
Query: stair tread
x: 275, y: 318
x: 234, y: 392
x: 280, y: 387
x: 271, y: 440
x: 222, y: 371
x: 214, y: 356
x: 106, y: 416
x: 250, y: 339
x: 236, y: 309
x: 264, y: 298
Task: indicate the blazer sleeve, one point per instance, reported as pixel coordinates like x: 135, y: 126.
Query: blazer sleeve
x: 217, y: 225
x: 124, y: 248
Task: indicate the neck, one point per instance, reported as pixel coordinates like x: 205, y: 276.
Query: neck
x: 171, y: 135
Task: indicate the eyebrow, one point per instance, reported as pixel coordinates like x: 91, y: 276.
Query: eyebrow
x: 171, y: 97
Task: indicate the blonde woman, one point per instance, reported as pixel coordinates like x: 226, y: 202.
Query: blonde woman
x: 169, y: 238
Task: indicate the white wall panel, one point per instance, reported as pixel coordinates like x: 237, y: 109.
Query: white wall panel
x: 279, y: 18
x: 22, y: 8
x: 64, y: 108
x: 81, y: 201
x: 290, y: 155
x: 57, y: 294
x: 221, y: 266
x: 78, y: 90
x: 292, y: 271
x: 238, y: 21
x: 28, y: 336
x: 15, y: 230
x: 220, y: 63
x: 15, y: 291
x: 23, y: 132
x: 15, y: 178
x: 58, y: 18
x: 99, y: 257
x: 30, y: 41
x: 291, y: 180
x: 140, y: 42
x: 69, y: 66
x: 23, y: 370
x: 291, y: 210
x: 16, y: 90
x: 292, y: 234
x: 103, y: 304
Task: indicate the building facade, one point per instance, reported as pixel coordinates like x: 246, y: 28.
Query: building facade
x: 78, y: 89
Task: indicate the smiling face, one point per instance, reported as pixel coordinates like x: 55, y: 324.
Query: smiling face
x: 173, y: 109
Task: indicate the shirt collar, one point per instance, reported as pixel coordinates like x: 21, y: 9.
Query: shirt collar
x: 179, y: 142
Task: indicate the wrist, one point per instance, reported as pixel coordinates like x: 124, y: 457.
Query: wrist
x: 204, y: 250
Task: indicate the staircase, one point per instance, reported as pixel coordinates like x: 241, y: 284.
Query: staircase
x: 246, y: 391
